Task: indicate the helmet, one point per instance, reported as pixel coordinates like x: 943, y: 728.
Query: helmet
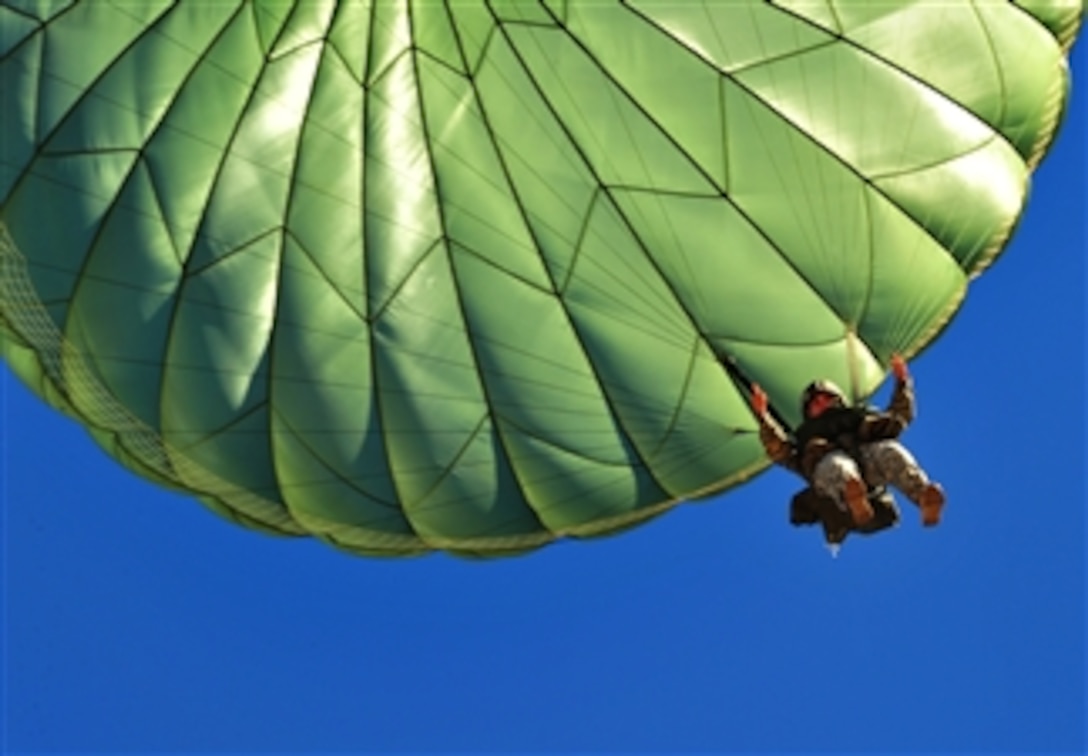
x: 821, y: 387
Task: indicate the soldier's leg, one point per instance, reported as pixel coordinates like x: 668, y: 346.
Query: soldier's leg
x: 837, y: 477
x: 890, y: 463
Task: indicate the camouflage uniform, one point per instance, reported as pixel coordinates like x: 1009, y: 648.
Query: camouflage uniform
x: 848, y: 443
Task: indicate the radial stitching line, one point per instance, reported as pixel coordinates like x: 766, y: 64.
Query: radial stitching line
x: 119, y: 417
x: 38, y: 21
x: 350, y: 482
x: 328, y: 333
x: 270, y: 342
x: 740, y: 211
x: 660, y: 128
x: 598, y: 526
x: 455, y: 278
x: 681, y: 399
x: 520, y: 207
x: 579, y: 242
x: 184, y: 278
x: 194, y: 136
x: 344, y: 64
x: 321, y: 275
x: 321, y: 40
x: 605, y: 394
x: 906, y: 73
x: 983, y: 145
x: 616, y: 96
x: 204, y: 436
x: 732, y: 73
x: 805, y: 135
x: 337, y: 335
x: 375, y: 316
x: 371, y: 317
x: 811, y: 138
x: 585, y: 220
x: 104, y: 221
x: 998, y: 69
x: 228, y: 73
x: 752, y: 225
x: 43, y: 34
x: 586, y: 213
x: 40, y: 27
x: 606, y: 189
x: 468, y: 209
x: 1072, y: 19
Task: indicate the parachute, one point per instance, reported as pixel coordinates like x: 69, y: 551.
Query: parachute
x: 413, y: 275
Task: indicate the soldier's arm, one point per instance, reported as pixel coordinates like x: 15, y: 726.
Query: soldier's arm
x: 900, y: 411
x: 775, y: 441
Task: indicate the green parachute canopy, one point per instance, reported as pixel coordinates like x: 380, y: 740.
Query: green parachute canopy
x: 473, y: 275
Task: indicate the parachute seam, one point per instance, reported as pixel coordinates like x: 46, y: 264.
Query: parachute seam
x: 349, y: 481
x: 321, y: 275
x: 755, y: 227
x: 203, y: 437
x: 597, y: 527
x: 238, y: 249
x: 621, y: 93
x: 580, y: 453
x: 344, y: 63
x: 157, y: 196
x: 600, y: 189
x: 447, y: 242
x: 378, y: 392
x: 825, y: 149
x: 602, y: 526
x: 473, y: 68
x: 284, y: 234
x: 1064, y: 36
x: 185, y: 276
x: 680, y: 400
x: 740, y: 211
x: 328, y: 333
x: 38, y: 22
x: 579, y: 243
x: 420, y: 503
x: 51, y: 349
x: 322, y: 39
x: 493, y: 32
x: 733, y: 73
x: 606, y: 190
x: 41, y: 141
x: 922, y: 168
x: 477, y: 255
x: 195, y: 136
x: 499, y: 154
x: 893, y: 66
x: 606, y: 395
x: 996, y: 62
x: 40, y: 32
x: 785, y: 258
x: 80, y: 274
x: 384, y: 305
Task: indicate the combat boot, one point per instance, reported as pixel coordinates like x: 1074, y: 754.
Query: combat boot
x: 856, y: 496
x: 931, y: 502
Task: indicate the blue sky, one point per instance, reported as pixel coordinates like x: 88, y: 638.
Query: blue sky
x: 136, y: 621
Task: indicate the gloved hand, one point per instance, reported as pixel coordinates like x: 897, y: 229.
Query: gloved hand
x: 899, y: 368
x: 759, y: 400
